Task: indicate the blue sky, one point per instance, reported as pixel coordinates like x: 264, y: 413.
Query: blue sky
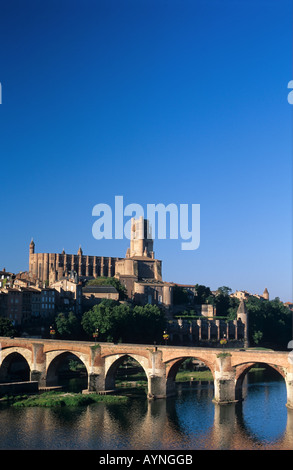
x: 173, y: 101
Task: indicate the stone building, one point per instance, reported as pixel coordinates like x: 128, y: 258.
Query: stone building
x: 16, y: 304
x: 208, y: 331
x: 51, y: 267
x: 244, y: 295
x: 6, y: 278
x: 92, y: 295
x: 69, y: 292
x: 139, y: 271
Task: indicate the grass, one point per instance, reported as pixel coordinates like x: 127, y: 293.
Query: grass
x: 137, y: 386
x: 185, y: 376
x: 181, y: 376
x: 59, y: 399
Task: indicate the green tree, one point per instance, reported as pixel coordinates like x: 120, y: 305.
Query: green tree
x: 6, y: 327
x: 121, y: 322
x: 149, y: 323
x: 224, y: 290
x: 67, y: 325
x: 223, y: 302
x: 270, y: 322
x: 108, y: 317
x: 180, y: 295
x: 203, y: 295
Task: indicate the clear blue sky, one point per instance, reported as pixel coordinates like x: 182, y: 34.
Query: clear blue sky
x: 172, y: 101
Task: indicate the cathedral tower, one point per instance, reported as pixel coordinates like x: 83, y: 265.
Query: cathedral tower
x: 141, y: 242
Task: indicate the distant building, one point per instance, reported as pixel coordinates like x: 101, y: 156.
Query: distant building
x: 16, y: 304
x: 6, y: 278
x: 139, y: 271
x: 92, y: 295
x: 266, y: 294
x: 51, y: 267
x: 26, y: 279
x: 242, y: 317
x: 69, y: 294
x: 48, y: 302
x: 244, y: 295
x: 289, y: 305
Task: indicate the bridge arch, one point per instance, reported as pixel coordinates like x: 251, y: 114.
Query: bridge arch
x: 55, y: 362
x: 242, y: 371
x: 173, y: 366
x: 112, y: 363
x: 15, y: 366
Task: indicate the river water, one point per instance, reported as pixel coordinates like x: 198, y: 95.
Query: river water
x: 188, y: 421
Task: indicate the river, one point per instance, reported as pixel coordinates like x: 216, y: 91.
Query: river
x: 188, y: 421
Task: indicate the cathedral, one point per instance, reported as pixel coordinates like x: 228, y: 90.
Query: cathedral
x: 139, y: 271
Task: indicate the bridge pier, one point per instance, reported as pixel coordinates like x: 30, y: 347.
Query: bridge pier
x: 156, y: 387
x: 289, y: 386
x: 38, y: 376
x: 96, y: 373
x: 224, y: 380
x: 38, y: 371
x: 224, y: 386
x: 96, y: 382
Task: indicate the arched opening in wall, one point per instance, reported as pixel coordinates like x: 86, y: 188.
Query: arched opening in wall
x: 67, y: 371
x: 260, y: 376
x: 190, y: 373
x: 262, y: 390
x: 14, y: 368
x: 127, y: 376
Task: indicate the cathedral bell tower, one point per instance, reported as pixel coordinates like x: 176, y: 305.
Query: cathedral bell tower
x: 32, y: 247
x: 141, y: 242
x: 31, y: 256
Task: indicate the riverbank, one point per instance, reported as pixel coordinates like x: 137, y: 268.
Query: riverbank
x: 125, y: 389
x: 60, y: 399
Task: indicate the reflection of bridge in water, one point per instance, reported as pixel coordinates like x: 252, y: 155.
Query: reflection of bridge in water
x: 228, y: 430
x: 160, y: 364
x: 149, y: 425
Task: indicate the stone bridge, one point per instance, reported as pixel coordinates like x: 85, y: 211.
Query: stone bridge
x: 160, y: 364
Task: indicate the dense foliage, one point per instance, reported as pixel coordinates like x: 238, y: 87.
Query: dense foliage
x: 67, y: 325
x: 124, y: 323
x: 6, y: 327
x: 270, y: 322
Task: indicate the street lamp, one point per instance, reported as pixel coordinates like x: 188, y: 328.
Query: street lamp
x: 96, y: 334
x: 223, y: 341
x: 52, y: 332
x: 165, y: 336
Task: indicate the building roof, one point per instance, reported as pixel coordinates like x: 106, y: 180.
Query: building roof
x: 99, y: 289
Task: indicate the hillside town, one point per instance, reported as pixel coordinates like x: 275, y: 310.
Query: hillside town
x: 61, y: 283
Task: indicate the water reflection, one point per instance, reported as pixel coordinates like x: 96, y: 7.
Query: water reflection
x: 188, y: 421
